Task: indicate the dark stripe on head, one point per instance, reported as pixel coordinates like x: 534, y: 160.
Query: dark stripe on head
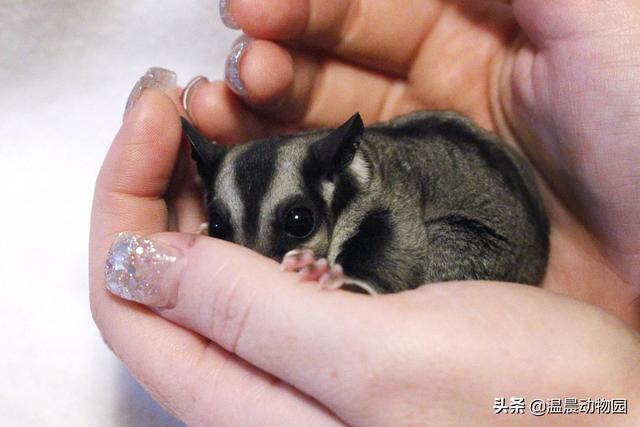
x: 312, y: 176
x: 209, y: 182
x: 254, y: 171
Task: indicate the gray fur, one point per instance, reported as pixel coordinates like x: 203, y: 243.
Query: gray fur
x: 435, y: 199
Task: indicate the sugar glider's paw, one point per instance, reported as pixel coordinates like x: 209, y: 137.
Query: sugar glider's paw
x: 310, y: 269
x: 297, y: 259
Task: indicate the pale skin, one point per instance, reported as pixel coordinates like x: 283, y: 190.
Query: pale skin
x: 250, y: 345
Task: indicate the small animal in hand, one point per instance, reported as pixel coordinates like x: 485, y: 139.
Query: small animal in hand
x: 426, y: 197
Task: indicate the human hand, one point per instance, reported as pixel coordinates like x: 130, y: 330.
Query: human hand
x: 232, y: 340
x: 289, y: 353
x: 189, y: 362
x: 559, y: 79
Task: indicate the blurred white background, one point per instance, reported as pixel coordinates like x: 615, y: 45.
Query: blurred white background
x: 66, y: 69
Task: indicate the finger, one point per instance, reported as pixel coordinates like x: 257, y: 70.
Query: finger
x: 219, y: 114
x: 244, y: 303
x: 363, y: 31
x: 197, y: 381
x: 348, y: 351
x: 194, y: 379
x: 137, y: 170
x: 292, y: 86
x: 132, y: 180
x: 184, y: 194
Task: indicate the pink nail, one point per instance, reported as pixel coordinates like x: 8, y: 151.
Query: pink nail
x: 141, y: 270
x: 189, y: 91
x: 226, y: 17
x: 155, y: 77
x: 232, y: 66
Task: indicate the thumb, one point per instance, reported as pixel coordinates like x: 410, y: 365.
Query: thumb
x: 243, y: 302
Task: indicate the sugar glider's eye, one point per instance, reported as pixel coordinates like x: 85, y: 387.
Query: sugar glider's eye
x: 299, y: 222
x: 217, y: 226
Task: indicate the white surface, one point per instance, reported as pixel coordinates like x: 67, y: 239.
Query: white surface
x: 66, y: 68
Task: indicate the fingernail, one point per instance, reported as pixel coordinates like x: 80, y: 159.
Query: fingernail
x: 141, y: 270
x: 321, y: 263
x: 189, y: 91
x: 332, y: 279
x: 226, y: 17
x: 232, y: 66
x: 155, y: 77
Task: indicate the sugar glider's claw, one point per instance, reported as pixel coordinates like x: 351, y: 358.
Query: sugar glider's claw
x: 333, y: 278
x: 297, y: 259
x: 313, y: 272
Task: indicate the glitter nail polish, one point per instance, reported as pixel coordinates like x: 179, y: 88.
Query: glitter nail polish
x: 226, y: 17
x: 232, y: 66
x: 189, y: 91
x: 141, y: 270
x: 155, y: 77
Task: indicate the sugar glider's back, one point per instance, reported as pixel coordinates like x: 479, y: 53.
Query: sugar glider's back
x: 451, y: 198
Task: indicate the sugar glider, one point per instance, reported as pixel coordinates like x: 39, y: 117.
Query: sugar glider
x: 427, y: 197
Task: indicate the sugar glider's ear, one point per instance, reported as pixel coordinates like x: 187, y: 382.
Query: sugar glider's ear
x: 335, y: 151
x: 207, y: 154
